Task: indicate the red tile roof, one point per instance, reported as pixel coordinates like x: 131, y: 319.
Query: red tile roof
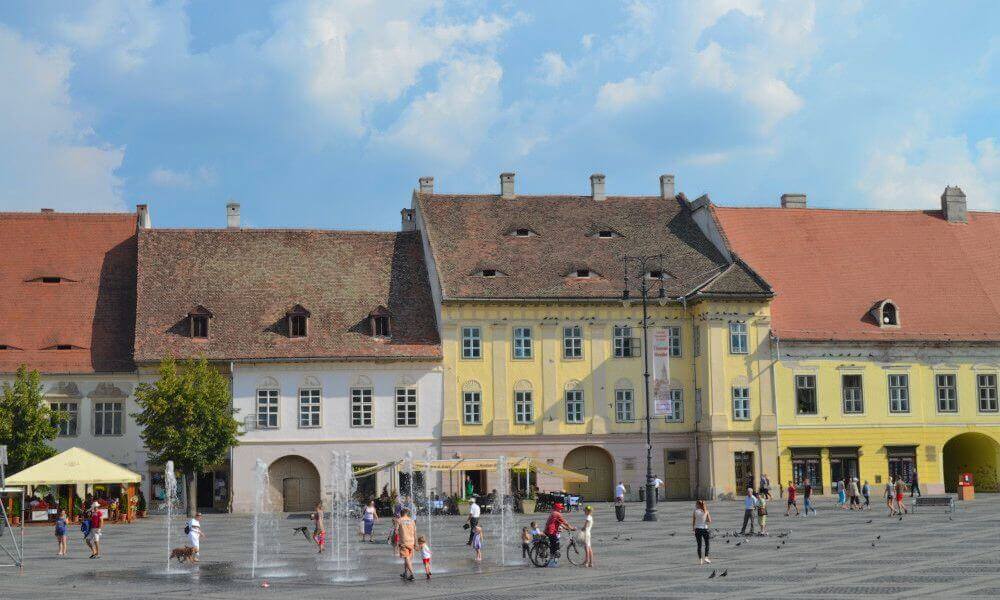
x: 829, y: 267
x: 92, y: 309
x: 249, y: 279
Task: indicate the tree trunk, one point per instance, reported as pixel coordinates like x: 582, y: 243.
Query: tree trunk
x: 192, y: 494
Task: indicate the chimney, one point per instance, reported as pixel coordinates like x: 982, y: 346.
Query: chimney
x: 233, y: 215
x: 667, y: 187
x: 142, y: 212
x: 407, y: 220
x: 507, y: 186
x: 953, y: 205
x: 597, y: 187
x: 793, y: 201
x: 426, y: 185
x: 48, y: 210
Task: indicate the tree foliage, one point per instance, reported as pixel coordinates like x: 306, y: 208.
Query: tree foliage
x: 26, y: 421
x: 187, y: 416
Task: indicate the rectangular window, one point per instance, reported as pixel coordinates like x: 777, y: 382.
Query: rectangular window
x: 298, y: 325
x: 472, y: 408
x: 987, y: 385
x: 947, y: 393
x: 899, y: 393
x: 574, y: 406
x: 68, y: 419
x: 309, y: 407
x: 696, y: 340
x: 267, y: 409
x: 674, y: 341
x: 107, y: 418
x: 739, y: 343
x: 572, y: 342
x: 199, y: 326
x: 805, y: 394
x: 406, y: 407
x: 624, y: 406
x: 625, y: 345
x: 741, y: 404
x: 524, y: 408
x: 854, y: 403
x: 361, y: 407
x: 472, y: 342
x: 677, y: 400
x: 522, y: 342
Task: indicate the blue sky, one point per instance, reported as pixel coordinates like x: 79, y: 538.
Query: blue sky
x: 324, y: 113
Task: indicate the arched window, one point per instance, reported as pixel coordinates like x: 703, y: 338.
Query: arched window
x: 886, y: 313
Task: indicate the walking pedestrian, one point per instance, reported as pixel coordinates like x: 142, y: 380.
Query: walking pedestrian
x: 762, y: 513
x: 61, y: 533
x: 96, y: 523
x: 319, y: 529
x: 425, y: 555
x: 765, y: 486
x: 368, y: 519
x: 855, y: 494
x: 85, y: 529
x: 749, y: 504
x: 194, y: 533
x: 474, y: 512
x: 588, y: 525
x: 620, y: 501
x: 526, y: 540
x: 866, y: 491
x: 657, y: 484
x: 841, y: 494
x: 900, y: 490
x: 914, y: 484
x: 890, y: 494
x: 807, y: 493
x: 407, y: 529
x: 793, y: 501
x: 477, y: 543
x: 700, y: 520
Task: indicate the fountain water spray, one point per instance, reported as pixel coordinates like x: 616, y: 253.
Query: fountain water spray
x: 260, y: 473
x: 170, y: 485
x: 342, y: 485
x: 503, y: 510
x: 428, y: 457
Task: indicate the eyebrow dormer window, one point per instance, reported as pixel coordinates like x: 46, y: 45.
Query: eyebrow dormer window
x: 51, y: 279
x: 64, y: 347
x: 489, y: 272
x: 298, y: 321
x: 198, y: 320
x: 886, y: 313
x: 381, y: 322
x: 605, y: 233
x: 522, y: 232
x: 583, y: 273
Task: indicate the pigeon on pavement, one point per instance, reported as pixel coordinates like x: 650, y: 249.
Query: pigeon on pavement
x: 724, y: 573
x: 712, y: 575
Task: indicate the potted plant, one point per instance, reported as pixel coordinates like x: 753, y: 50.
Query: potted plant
x: 462, y: 505
x: 141, y: 507
x: 15, y: 518
x: 529, y: 503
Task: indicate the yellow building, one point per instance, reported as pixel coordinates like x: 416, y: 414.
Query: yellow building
x: 887, y: 327
x: 543, y: 358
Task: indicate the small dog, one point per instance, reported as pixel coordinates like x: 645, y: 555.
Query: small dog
x: 182, y: 554
x: 304, y: 531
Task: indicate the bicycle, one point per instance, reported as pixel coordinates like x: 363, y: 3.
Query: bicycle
x: 539, y: 552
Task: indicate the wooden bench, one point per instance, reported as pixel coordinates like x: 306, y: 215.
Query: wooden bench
x: 947, y: 502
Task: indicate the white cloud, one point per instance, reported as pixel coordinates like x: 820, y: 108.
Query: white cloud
x: 706, y: 159
x: 125, y: 30
x: 170, y: 178
x: 633, y: 91
x: 587, y: 40
x: 553, y: 70
x: 49, y: 156
x: 913, y: 171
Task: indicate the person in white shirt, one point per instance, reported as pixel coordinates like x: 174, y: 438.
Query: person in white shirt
x: 620, y: 501
x: 474, y: 512
x: 195, y: 534
x: 657, y: 483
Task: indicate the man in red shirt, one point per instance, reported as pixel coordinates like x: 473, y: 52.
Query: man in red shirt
x: 553, y: 526
x: 792, y: 499
x: 96, y: 521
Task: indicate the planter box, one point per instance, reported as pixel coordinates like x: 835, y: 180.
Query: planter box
x: 966, y: 492
x: 528, y: 506
x: 463, y: 509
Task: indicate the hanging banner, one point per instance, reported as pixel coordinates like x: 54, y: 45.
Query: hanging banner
x: 662, y: 406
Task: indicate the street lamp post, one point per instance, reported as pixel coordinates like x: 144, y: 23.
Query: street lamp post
x: 647, y: 274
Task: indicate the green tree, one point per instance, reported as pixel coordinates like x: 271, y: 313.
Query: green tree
x: 26, y: 421
x: 187, y: 416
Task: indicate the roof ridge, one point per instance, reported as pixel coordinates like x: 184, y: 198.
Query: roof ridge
x: 275, y: 230
x: 890, y: 211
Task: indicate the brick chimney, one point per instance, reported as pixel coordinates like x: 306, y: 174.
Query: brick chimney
x: 233, y: 215
x: 507, y: 186
x: 426, y: 185
x: 142, y: 214
x: 667, y: 187
x: 953, y: 205
x: 406, y: 217
x: 793, y: 201
x: 597, y: 187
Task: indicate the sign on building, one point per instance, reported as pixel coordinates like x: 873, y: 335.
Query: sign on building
x: 662, y: 406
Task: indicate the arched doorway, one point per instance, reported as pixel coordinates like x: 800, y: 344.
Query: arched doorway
x: 294, y: 484
x: 597, y: 465
x: 974, y: 453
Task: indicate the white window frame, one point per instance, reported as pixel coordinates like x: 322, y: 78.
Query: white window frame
x: 472, y: 405
x: 674, y: 340
x: 741, y: 403
x: 625, y: 405
x: 899, y: 393
x: 677, y: 400
x: 853, y: 397
x: 109, y: 408
x: 266, y: 405
x: 623, y: 344
x: 739, y: 337
x: 572, y: 342
x: 472, y: 343
x: 362, y: 407
x: 522, y: 347
x: 72, y: 409
x: 310, y: 408
x: 406, y: 406
x: 946, y: 392
x: 524, y: 407
x: 800, y: 383
x: 575, y: 406
x: 987, y: 392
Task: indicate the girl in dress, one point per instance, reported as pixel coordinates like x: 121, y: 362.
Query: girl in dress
x: 477, y: 543
x: 588, y: 525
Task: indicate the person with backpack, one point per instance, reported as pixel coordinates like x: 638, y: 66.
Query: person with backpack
x: 85, y: 530
x: 194, y: 533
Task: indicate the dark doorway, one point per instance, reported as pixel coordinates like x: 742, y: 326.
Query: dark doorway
x: 478, y: 479
x: 806, y: 469
x: 844, y: 466
x: 206, y: 490
x: 367, y: 484
x: 744, y: 471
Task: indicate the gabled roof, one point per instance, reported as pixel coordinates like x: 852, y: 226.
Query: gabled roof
x: 250, y: 278
x: 91, y: 309
x: 467, y: 233
x: 829, y: 267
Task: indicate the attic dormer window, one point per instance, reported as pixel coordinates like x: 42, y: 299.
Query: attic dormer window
x: 605, y: 233
x: 298, y: 321
x: 522, y: 232
x: 489, y: 272
x: 64, y: 347
x: 381, y: 322
x: 4, y: 347
x: 51, y: 279
x: 886, y: 313
x: 583, y: 273
x: 198, y: 320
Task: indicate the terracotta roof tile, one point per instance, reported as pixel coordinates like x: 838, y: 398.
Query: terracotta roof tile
x: 829, y: 267
x: 91, y: 309
x: 250, y: 278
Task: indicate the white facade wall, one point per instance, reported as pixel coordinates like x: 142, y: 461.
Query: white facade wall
x: 383, y: 442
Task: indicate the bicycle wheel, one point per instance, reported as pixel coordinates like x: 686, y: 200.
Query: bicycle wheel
x: 539, y: 554
x: 574, y: 553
